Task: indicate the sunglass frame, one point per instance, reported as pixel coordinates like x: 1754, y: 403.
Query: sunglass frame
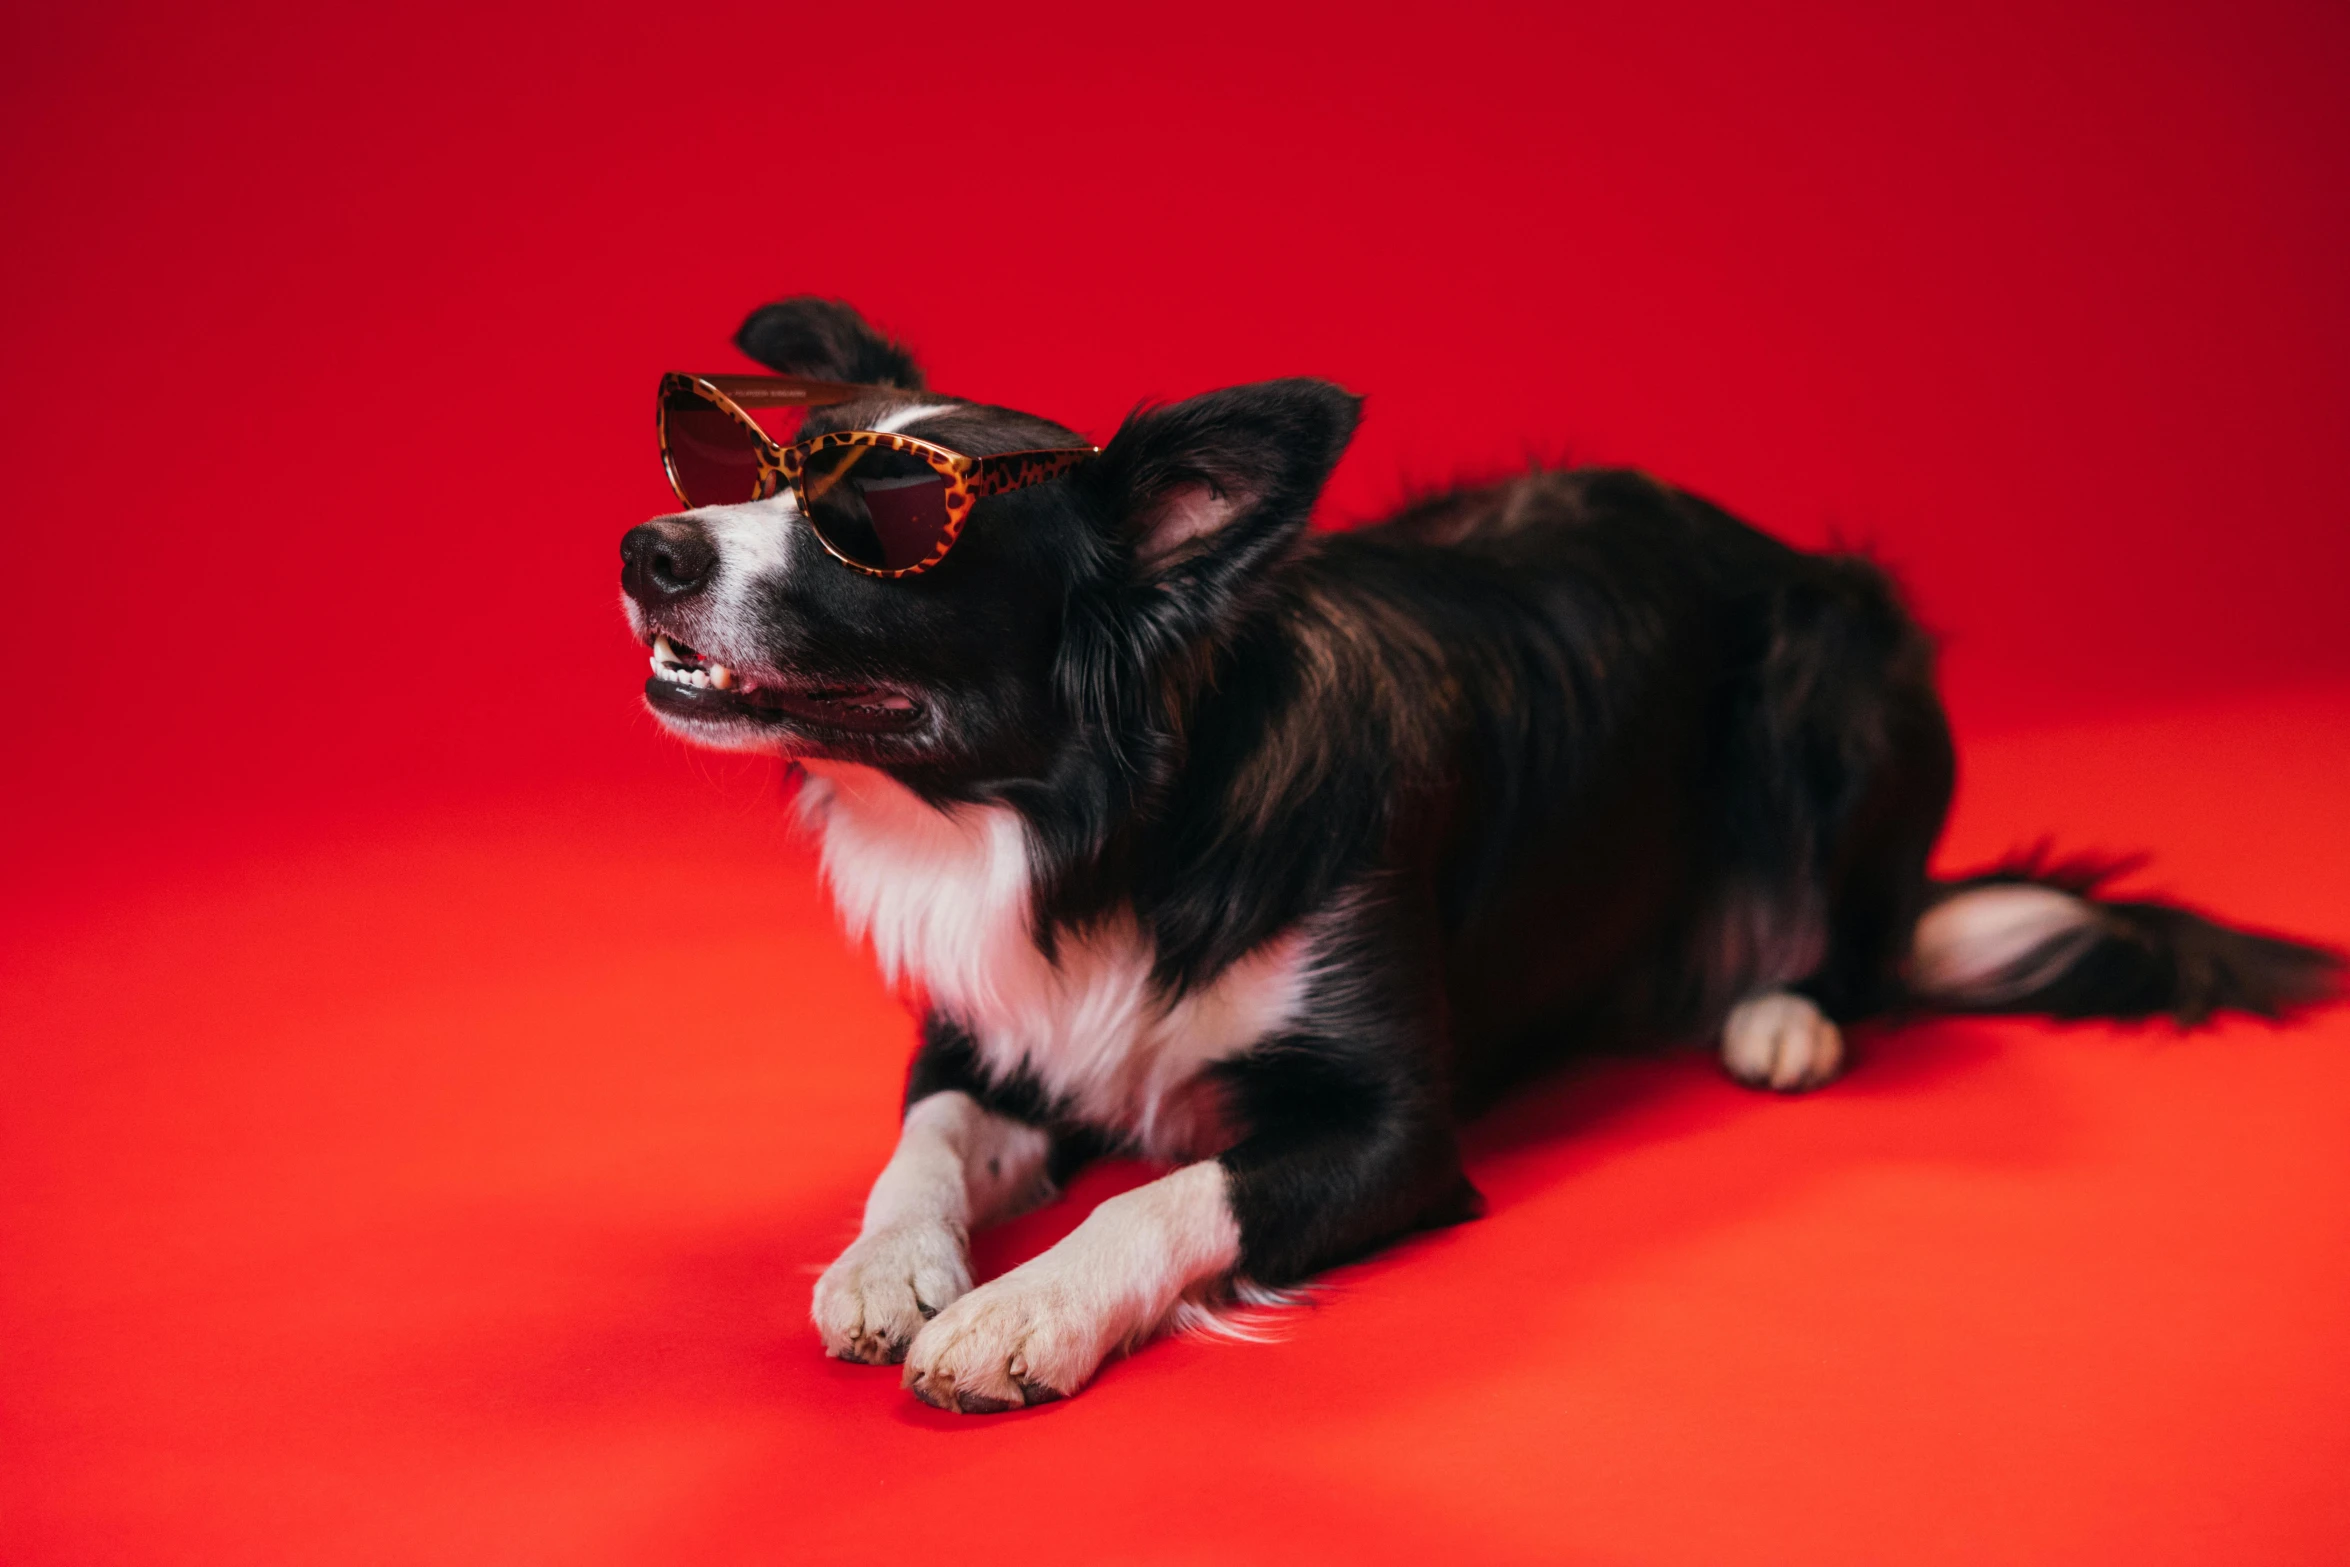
x: 968, y: 479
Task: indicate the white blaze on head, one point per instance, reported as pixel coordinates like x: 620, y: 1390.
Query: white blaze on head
x: 895, y: 421
x: 756, y: 541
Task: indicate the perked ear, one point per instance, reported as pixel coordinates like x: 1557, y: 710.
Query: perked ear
x: 1215, y: 485
x: 826, y: 340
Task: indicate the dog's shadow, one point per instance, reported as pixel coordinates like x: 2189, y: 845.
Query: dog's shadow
x: 1578, y: 1099
x: 1596, y: 1167
x: 1584, y: 1111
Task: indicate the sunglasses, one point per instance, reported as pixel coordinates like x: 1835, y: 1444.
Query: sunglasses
x: 886, y: 505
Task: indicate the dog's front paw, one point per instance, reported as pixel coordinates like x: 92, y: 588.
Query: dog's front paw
x: 875, y: 1298
x: 1010, y: 1343
x: 1780, y: 1040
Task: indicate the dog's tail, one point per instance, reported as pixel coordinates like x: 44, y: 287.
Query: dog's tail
x: 2033, y: 936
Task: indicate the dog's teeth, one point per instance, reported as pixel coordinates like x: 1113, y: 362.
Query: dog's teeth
x: 668, y: 666
x: 722, y: 677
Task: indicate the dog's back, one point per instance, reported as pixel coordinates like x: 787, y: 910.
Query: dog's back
x: 1626, y: 757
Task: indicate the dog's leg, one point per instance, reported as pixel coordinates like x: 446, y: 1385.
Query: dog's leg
x: 1039, y: 1332
x: 1781, y: 1040
x: 957, y: 1166
x: 1343, y: 1152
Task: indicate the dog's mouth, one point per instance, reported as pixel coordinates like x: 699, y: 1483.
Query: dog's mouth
x: 691, y: 684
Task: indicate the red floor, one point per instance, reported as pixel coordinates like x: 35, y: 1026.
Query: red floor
x: 424, y: 1093
x: 448, y: 1190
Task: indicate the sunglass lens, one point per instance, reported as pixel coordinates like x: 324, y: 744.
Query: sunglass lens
x: 713, y: 459
x: 882, y: 509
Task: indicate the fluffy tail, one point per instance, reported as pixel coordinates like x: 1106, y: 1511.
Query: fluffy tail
x: 2033, y: 936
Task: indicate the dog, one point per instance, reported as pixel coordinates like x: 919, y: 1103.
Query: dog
x: 1272, y: 855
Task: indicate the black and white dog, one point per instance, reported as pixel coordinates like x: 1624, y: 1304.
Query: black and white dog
x: 1271, y: 854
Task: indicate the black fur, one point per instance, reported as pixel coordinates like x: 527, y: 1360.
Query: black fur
x: 948, y: 1059
x: 826, y: 340
x: 2140, y: 959
x: 1571, y: 759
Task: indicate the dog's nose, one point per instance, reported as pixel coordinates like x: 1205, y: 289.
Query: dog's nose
x: 664, y: 561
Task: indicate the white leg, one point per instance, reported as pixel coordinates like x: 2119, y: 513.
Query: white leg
x: 1039, y: 1331
x: 1779, y: 1040
x: 956, y: 1168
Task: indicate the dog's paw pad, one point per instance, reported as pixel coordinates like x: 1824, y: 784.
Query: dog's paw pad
x: 1781, y: 1041
x: 871, y: 1303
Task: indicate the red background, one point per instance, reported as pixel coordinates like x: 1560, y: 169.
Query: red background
x: 424, y: 1084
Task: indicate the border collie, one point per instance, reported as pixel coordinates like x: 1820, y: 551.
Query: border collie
x: 1270, y: 854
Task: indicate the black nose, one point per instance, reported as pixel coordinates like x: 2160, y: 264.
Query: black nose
x: 664, y: 561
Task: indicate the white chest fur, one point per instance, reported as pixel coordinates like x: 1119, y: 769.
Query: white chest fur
x: 944, y: 897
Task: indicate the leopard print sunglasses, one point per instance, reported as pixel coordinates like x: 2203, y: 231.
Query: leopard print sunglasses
x: 886, y: 505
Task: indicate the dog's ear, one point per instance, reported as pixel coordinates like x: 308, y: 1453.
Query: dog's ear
x: 826, y: 340
x: 1203, y: 491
